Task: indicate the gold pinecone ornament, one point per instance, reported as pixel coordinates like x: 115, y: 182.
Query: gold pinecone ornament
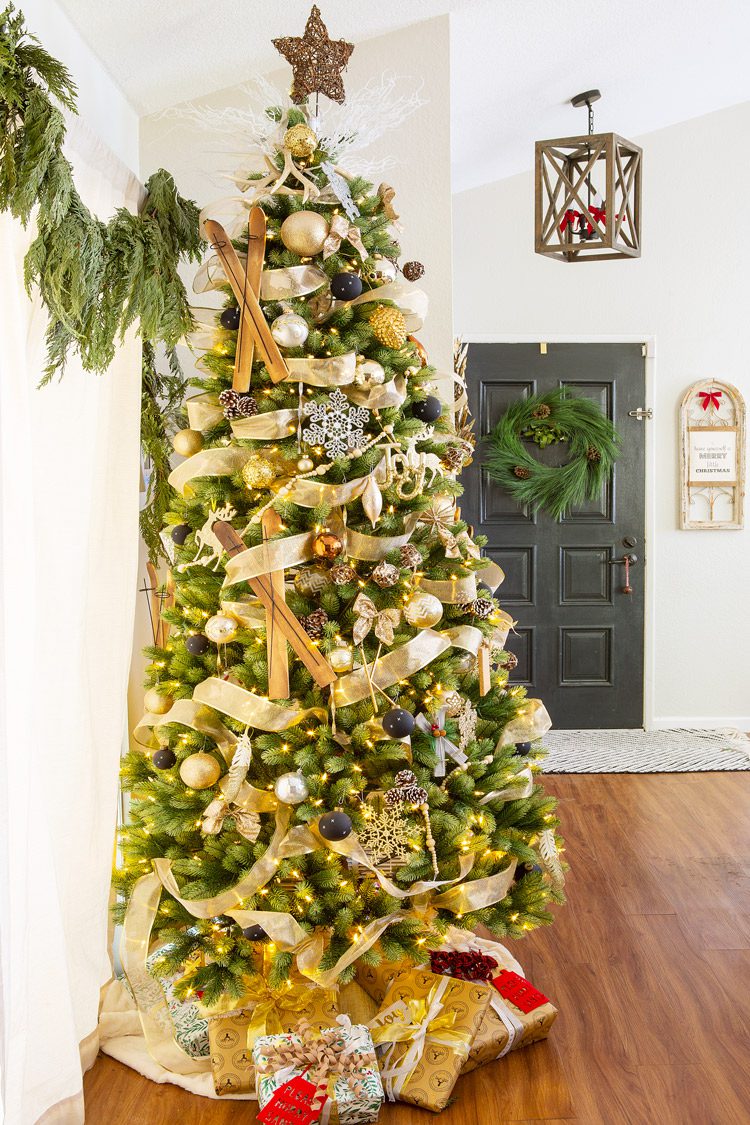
x: 389, y: 326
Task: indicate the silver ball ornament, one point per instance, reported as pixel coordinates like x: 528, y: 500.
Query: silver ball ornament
x: 381, y: 270
x: 220, y: 629
x: 370, y: 371
x: 423, y: 610
x: 341, y: 659
x: 291, y: 788
x: 290, y: 330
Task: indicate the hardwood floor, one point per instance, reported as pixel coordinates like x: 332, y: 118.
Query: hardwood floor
x: 649, y: 965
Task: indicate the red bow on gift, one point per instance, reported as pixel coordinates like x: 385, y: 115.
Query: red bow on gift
x: 463, y: 966
x: 710, y: 398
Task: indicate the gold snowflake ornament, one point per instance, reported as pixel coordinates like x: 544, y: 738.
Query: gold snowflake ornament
x: 385, y: 835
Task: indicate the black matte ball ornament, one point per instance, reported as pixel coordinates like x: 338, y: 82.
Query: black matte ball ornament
x: 196, y: 644
x: 254, y: 933
x: 164, y: 758
x: 335, y: 825
x: 397, y: 722
x: 346, y: 286
x: 522, y: 748
x: 180, y: 533
x: 428, y: 410
x: 230, y: 318
x: 527, y: 869
x: 483, y: 591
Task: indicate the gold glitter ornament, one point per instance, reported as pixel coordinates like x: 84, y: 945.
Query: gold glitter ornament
x: 389, y: 326
x: 304, y: 232
x: 423, y: 610
x: 156, y: 703
x: 187, y: 442
x: 316, y: 60
x: 258, y: 471
x: 200, y: 771
x: 300, y: 140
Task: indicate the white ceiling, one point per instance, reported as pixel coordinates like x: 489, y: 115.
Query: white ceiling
x: 515, y: 63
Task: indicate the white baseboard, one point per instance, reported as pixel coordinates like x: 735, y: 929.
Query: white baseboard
x: 698, y: 722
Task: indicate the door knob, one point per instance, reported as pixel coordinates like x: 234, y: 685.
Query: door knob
x: 629, y: 541
x: 627, y: 561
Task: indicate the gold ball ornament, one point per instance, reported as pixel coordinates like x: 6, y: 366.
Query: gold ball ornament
x: 156, y: 703
x: 389, y: 326
x: 423, y: 610
x: 305, y: 465
x: 327, y: 545
x: 200, y: 771
x: 341, y: 659
x: 304, y: 233
x: 221, y: 629
x: 300, y: 140
x: 187, y: 442
x: 258, y: 471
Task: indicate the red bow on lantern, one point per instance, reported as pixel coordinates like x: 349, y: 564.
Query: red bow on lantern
x: 710, y: 398
x: 570, y: 218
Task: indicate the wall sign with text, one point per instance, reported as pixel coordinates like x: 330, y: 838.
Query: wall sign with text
x: 712, y: 421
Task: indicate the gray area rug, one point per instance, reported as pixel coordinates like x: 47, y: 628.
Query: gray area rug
x: 640, y: 751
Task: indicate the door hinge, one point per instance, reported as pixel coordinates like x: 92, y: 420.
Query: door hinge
x: 641, y: 413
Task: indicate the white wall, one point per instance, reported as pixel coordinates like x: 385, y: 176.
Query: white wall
x: 691, y: 292
x: 420, y: 148
x: 101, y: 104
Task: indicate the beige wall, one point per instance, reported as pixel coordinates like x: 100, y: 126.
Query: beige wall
x: 691, y: 292
x: 420, y: 148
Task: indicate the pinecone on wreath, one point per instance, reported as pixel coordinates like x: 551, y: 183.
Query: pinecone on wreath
x: 542, y: 411
x: 313, y: 623
x: 521, y: 473
x: 593, y: 454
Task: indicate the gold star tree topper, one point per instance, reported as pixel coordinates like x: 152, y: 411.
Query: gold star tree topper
x: 316, y: 60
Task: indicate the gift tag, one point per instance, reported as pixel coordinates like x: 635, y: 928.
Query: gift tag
x: 518, y: 991
x: 294, y: 1103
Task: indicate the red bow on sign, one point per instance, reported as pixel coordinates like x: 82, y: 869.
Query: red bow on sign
x: 710, y: 398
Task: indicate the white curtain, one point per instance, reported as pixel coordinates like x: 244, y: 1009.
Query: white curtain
x: 69, y: 493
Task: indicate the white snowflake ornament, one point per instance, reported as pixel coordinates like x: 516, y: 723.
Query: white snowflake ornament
x: 336, y: 425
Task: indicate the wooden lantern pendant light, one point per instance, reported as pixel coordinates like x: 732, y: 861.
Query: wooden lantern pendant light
x: 588, y: 194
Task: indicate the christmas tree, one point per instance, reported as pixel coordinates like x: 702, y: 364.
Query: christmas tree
x: 336, y: 769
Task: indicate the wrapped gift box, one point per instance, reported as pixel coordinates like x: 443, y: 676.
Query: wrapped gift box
x: 353, y: 1096
x: 424, y: 1032
x: 232, y: 1034
x: 190, y: 1027
x: 518, y: 1015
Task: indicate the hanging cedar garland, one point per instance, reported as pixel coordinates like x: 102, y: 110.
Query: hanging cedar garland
x: 543, y: 420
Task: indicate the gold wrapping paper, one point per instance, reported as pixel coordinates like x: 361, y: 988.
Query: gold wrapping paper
x: 421, y: 1066
x: 505, y: 1028
x: 231, y: 1035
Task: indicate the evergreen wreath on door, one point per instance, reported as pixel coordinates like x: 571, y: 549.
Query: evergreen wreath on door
x: 545, y: 420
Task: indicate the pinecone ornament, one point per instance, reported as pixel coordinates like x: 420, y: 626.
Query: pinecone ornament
x: 237, y: 404
x: 542, y: 411
x: 453, y: 458
x: 412, y: 271
x: 480, y: 607
x: 510, y: 663
x: 385, y: 575
x: 593, y: 454
x: 313, y: 623
x: 406, y: 789
x: 409, y: 555
x: 520, y: 472
x: 342, y: 574
x: 389, y: 326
